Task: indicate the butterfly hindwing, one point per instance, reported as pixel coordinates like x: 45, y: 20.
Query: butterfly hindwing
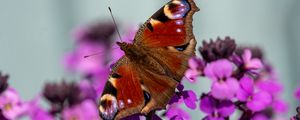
x: 128, y: 96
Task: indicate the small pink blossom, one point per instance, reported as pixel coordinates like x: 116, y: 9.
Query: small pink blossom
x: 196, y: 67
x: 249, y: 62
x: 224, y: 86
x: 255, y: 101
x: 85, y: 111
x: 11, y: 105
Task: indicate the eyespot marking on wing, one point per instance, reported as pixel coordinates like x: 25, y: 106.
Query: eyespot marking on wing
x: 108, y: 106
x: 176, y: 9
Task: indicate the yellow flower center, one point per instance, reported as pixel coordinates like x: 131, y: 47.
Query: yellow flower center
x: 7, y: 106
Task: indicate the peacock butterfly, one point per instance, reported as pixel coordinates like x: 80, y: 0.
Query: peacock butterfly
x: 145, y: 78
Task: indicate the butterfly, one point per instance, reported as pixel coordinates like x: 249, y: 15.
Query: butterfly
x: 145, y: 78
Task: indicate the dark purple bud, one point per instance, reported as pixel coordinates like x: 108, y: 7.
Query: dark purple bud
x: 180, y: 87
x: 3, y: 82
x: 61, y: 95
x: 99, y: 32
x: 218, y: 49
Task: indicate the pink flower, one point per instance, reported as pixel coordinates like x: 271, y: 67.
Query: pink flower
x: 176, y: 113
x: 216, y: 109
x: 255, y: 101
x: 249, y: 62
x: 85, y: 111
x: 11, y: 104
x: 35, y: 112
x: 224, y: 86
x: 297, y: 93
x: 196, y: 67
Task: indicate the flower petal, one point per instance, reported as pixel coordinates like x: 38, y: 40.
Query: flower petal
x: 259, y: 101
x: 247, y: 84
x: 218, y: 69
x: 226, y: 108
x: 190, y: 100
x: 260, y: 117
x: 207, y: 104
x: 254, y: 64
x: 247, y: 55
x: 280, y: 106
x: 225, y: 90
x: 271, y: 86
x: 192, y: 75
x: 242, y: 95
x: 194, y: 63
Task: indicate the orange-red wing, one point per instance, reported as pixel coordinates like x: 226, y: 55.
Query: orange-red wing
x: 123, y: 95
x: 169, y: 26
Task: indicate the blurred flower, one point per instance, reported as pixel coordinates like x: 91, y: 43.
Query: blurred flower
x: 271, y: 86
x: 87, y: 90
x: 218, y: 49
x: 3, y: 82
x: 176, y: 113
x: 260, y: 117
x: 96, y: 33
x: 256, y: 101
x: 224, y: 86
x: 75, y: 61
x: 297, y: 93
x: 247, y: 64
x: 35, y: 112
x: 216, y: 109
x: 256, y: 51
x: 196, y: 67
x: 84, y: 111
x: 11, y: 104
x: 279, y: 106
x: 61, y: 95
x: 98, y: 81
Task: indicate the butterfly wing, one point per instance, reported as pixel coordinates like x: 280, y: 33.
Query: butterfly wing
x: 169, y: 26
x: 168, y: 38
x: 123, y: 95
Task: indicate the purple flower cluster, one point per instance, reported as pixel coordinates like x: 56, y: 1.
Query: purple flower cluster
x: 240, y: 81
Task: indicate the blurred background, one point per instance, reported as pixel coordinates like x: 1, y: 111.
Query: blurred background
x: 35, y: 34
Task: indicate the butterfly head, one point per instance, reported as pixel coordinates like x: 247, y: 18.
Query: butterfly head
x: 131, y: 50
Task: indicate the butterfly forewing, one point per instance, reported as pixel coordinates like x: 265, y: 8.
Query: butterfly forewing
x: 169, y: 26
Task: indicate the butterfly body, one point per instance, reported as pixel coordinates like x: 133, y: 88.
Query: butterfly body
x: 145, y: 78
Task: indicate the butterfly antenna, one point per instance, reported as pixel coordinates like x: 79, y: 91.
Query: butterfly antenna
x: 97, y: 53
x: 116, y: 27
